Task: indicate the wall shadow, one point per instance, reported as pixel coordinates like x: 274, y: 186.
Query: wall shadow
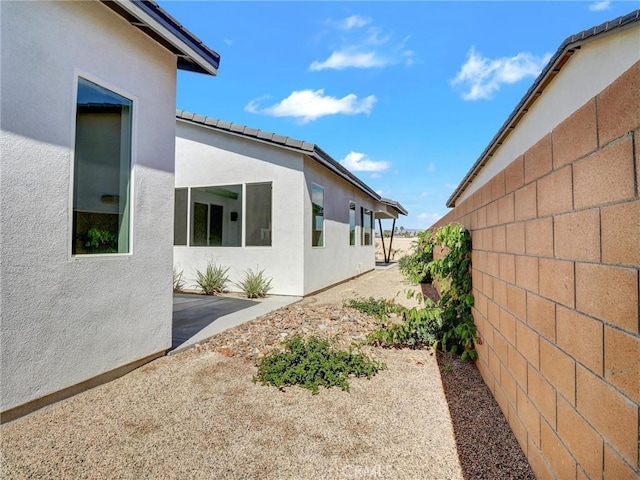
x: 487, y: 448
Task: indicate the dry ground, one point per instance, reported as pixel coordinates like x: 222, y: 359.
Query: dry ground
x: 199, y: 415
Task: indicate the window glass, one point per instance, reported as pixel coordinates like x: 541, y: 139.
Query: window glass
x: 102, y: 171
x: 352, y: 223
x: 367, y: 224
x: 216, y: 216
x: 258, y: 214
x: 180, y: 216
x: 317, y: 216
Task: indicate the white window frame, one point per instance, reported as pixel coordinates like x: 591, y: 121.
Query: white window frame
x: 324, y: 216
x: 355, y: 223
x: 77, y: 74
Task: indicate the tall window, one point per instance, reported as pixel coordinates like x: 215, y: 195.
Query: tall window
x: 367, y: 226
x: 352, y: 223
x: 317, y: 216
x: 258, y: 215
x: 102, y: 171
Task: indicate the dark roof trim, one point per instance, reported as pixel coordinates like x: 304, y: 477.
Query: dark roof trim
x: 562, y: 55
x: 309, y: 149
x: 146, y: 15
x: 395, y: 205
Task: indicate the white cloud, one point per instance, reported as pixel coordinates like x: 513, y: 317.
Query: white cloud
x: 431, y: 168
x: 354, y: 21
x: 376, y: 175
x: 349, y: 59
x: 450, y: 186
x: 429, y: 218
x: 599, y: 6
x: 482, y: 76
x: 360, y: 47
x: 359, y: 162
x: 227, y: 41
x: 309, y: 105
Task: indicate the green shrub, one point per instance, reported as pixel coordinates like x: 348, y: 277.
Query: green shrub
x: 178, y: 280
x: 213, y: 280
x: 101, y: 241
x: 255, y: 284
x: 420, y: 327
x: 314, y: 363
x: 380, y: 308
x: 448, y: 324
x: 415, y: 266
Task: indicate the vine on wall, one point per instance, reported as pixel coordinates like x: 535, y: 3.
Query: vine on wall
x: 447, y: 324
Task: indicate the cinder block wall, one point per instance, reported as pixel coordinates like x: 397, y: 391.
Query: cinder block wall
x: 556, y: 259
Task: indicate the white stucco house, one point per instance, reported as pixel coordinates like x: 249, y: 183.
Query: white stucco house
x: 87, y: 138
x: 250, y: 199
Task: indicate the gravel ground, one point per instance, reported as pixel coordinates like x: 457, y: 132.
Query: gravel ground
x: 198, y: 414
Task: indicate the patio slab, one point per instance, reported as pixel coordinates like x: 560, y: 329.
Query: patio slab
x: 197, y: 318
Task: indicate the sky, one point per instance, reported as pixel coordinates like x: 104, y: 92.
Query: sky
x: 406, y: 95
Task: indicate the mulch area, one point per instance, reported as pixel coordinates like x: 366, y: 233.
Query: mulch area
x: 487, y: 447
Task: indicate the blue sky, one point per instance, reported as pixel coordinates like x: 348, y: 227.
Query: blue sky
x: 405, y: 94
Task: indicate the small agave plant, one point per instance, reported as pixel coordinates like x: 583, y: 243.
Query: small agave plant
x: 255, y: 284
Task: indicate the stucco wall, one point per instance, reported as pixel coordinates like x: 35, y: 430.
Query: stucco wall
x: 66, y: 319
x: 556, y: 260
x: 337, y: 260
x: 205, y: 157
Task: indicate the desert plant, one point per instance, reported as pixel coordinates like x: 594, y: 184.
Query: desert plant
x: 178, y: 280
x: 448, y: 324
x: 313, y: 363
x: 255, y: 284
x: 213, y: 280
x: 415, y: 266
x: 380, y: 308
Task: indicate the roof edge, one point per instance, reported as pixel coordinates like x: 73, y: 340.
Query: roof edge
x: 566, y: 49
x: 300, y: 146
x: 193, y: 54
x: 395, y: 205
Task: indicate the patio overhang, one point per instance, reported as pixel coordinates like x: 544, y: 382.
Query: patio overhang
x: 389, y: 210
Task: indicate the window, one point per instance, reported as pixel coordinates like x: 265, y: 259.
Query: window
x: 352, y: 223
x: 101, y: 171
x: 317, y: 216
x: 367, y: 226
x: 216, y: 216
x: 258, y: 215
x: 181, y: 201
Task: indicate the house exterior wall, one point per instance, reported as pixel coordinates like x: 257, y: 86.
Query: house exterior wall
x: 205, y: 157
x: 337, y: 260
x: 556, y: 261
x: 66, y: 319
x: 571, y: 89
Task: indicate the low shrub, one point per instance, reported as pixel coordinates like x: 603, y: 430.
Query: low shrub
x: 313, y: 363
x: 213, y: 280
x: 380, y: 308
x: 255, y: 284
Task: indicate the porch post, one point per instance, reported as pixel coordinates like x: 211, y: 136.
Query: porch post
x: 384, y: 251
x: 393, y: 228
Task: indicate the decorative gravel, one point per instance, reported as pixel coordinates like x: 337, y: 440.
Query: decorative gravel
x: 198, y: 414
